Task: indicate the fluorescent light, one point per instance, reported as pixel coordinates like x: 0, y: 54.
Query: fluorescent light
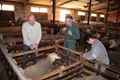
x: 101, y: 15
x: 7, y: 7
x: 81, y: 13
x: 34, y: 9
x: 62, y: 14
x: 44, y: 10
x: 93, y: 15
x: 0, y: 6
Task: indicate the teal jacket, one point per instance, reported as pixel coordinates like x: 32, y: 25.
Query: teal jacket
x: 75, y: 32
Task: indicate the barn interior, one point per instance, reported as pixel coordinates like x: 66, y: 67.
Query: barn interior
x: 99, y: 17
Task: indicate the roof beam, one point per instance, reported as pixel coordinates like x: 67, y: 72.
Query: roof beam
x: 67, y: 2
x: 113, y: 9
x: 100, y: 9
x: 101, y: 1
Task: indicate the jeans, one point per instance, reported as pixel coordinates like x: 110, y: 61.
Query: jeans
x: 26, y: 48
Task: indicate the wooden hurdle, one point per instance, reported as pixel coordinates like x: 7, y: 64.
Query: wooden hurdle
x: 70, y: 70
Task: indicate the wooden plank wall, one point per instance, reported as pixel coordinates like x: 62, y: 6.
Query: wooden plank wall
x: 16, y: 29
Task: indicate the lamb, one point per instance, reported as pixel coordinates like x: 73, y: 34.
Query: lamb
x: 42, y: 67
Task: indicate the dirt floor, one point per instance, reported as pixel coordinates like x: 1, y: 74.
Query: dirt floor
x: 3, y: 75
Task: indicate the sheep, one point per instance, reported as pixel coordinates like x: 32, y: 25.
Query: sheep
x: 103, y: 29
x: 97, y: 35
x: 87, y: 31
x: 1, y: 36
x: 42, y: 67
x: 118, y: 42
x: 113, y: 44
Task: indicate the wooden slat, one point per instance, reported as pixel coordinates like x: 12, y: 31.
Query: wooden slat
x: 109, y: 77
x: 69, y: 73
x: 12, y: 40
x: 110, y: 68
x: 10, y: 29
x: 70, y: 50
x: 85, y: 73
x: 73, y: 76
x: 59, y: 70
x: 59, y: 40
x: 31, y: 59
x: 69, y: 57
x: 89, y: 68
x: 32, y: 51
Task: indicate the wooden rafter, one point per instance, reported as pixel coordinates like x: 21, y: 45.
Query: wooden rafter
x: 100, y: 9
x: 67, y: 2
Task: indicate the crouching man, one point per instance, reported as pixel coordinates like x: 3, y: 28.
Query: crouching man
x: 97, y: 52
x: 31, y: 31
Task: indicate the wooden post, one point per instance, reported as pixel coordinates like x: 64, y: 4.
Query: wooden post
x: 98, y: 69
x: 118, y: 13
x: 53, y: 11
x: 89, y: 12
x: 107, y: 11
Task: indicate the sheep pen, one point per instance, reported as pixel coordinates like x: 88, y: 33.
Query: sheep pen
x: 60, y: 69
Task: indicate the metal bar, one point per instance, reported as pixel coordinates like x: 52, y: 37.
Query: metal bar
x: 12, y: 64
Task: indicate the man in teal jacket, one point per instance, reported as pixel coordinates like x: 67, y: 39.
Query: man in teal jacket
x: 71, y: 33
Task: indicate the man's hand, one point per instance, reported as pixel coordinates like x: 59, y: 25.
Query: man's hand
x: 69, y: 32
x: 31, y: 46
x: 83, y: 55
x: 36, y: 46
x: 64, y: 29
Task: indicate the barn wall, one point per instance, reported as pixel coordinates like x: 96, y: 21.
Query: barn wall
x: 23, y: 11
x: 112, y: 17
x: 57, y: 17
